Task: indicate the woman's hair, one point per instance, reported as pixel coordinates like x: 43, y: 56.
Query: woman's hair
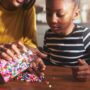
x: 28, y: 4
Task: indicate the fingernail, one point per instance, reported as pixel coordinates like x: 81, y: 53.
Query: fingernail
x: 15, y: 58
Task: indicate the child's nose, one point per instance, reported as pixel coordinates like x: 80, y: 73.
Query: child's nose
x: 54, y: 18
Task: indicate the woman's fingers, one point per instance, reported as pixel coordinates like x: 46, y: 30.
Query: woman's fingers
x: 6, y: 56
x: 41, y: 64
x: 15, y: 49
x: 11, y: 50
x: 38, y: 66
x: 22, y: 46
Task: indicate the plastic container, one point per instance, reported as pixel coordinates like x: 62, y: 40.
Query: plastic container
x: 10, y: 69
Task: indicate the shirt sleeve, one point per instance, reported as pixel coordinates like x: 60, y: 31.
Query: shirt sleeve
x: 86, y: 38
x: 29, y: 33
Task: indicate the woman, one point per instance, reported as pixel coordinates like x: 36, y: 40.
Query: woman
x: 17, y: 23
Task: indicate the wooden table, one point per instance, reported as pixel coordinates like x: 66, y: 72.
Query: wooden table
x: 57, y: 78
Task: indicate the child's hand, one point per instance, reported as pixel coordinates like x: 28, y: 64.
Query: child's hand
x: 37, y: 66
x: 81, y: 72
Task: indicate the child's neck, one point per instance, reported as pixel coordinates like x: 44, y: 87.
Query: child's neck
x: 70, y: 29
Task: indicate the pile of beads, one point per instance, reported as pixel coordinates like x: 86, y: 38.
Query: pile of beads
x: 30, y: 77
x: 10, y: 69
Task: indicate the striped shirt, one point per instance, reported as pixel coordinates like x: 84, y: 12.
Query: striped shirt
x: 67, y: 50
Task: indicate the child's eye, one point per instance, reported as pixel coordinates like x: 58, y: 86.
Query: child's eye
x: 60, y: 14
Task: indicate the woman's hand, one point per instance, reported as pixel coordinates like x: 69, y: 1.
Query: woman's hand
x: 37, y: 66
x: 81, y: 72
x: 37, y: 52
x: 10, y: 51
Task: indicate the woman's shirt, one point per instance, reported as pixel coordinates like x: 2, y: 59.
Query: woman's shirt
x: 18, y: 25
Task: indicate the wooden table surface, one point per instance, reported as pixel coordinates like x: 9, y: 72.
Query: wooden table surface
x: 57, y: 78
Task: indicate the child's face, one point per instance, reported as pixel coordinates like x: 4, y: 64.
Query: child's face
x: 60, y: 15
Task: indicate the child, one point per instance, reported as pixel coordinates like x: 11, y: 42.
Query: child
x: 65, y: 42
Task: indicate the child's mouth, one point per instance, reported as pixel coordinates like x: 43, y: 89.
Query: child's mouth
x: 57, y: 28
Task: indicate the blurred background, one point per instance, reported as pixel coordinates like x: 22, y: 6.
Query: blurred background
x: 42, y: 26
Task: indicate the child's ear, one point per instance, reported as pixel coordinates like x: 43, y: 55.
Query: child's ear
x: 76, y: 14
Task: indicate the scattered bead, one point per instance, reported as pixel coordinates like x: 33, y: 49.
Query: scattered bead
x: 50, y: 86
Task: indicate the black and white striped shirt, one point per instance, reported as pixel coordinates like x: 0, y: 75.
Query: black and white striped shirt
x: 67, y: 50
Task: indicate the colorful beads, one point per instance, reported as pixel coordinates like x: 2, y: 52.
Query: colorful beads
x: 10, y: 69
x: 30, y: 77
